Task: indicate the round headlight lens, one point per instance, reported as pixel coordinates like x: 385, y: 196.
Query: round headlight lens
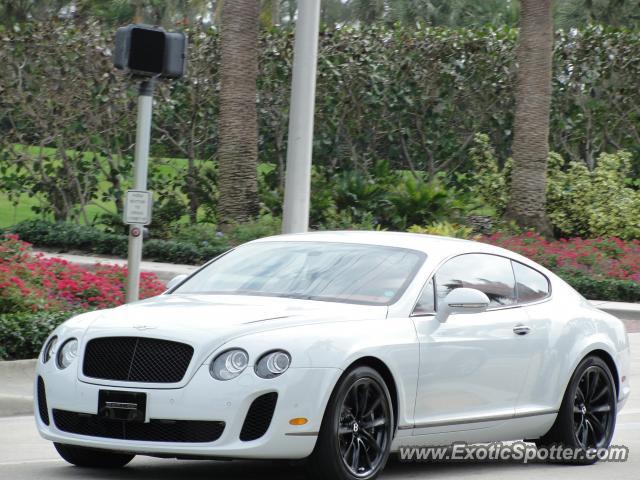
x: 229, y: 364
x: 67, y: 353
x: 48, y: 349
x: 273, y: 364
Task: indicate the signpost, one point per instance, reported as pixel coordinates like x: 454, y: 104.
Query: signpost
x: 148, y: 53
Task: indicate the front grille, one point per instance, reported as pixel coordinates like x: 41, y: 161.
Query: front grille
x: 136, y: 359
x: 190, y: 431
x: 42, y: 402
x: 259, y: 417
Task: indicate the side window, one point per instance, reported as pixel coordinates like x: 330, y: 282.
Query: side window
x: 531, y: 285
x: 490, y: 274
x: 426, y: 303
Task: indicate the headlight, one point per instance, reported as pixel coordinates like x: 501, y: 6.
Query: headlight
x: 273, y: 364
x: 229, y: 364
x: 48, y: 349
x: 67, y: 353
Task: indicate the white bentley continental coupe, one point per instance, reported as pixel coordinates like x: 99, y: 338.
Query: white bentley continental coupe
x: 338, y: 348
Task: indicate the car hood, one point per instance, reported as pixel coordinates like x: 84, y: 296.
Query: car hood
x: 208, y: 321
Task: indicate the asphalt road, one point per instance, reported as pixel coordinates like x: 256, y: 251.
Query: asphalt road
x: 24, y: 455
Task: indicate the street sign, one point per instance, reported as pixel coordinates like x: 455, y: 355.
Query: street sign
x: 137, y: 207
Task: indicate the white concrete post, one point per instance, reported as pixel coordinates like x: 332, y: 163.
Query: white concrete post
x: 303, y: 91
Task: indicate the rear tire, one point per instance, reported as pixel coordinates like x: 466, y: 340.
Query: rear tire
x: 587, y: 416
x: 92, y: 458
x: 357, y: 429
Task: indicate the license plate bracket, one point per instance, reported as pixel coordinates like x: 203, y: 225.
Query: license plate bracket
x: 122, y: 406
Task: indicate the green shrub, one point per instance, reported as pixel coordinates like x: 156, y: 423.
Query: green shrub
x: 177, y: 252
x: 205, y: 234
x: 610, y: 289
x: 444, y: 229
x: 414, y: 201
x: 602, y: 202
x: 592, y: 203
x: 22, y: 334
x: 486, y: 180
x: 264, y: 226
x: 69, y: 236
x: 66, y: 236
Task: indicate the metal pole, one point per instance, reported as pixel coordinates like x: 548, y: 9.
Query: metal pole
x: 303, y: 90
x: 140, y: 167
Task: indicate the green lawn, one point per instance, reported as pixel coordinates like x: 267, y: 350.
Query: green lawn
x: 11, y: 214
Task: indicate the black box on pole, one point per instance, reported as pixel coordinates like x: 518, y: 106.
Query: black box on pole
x: 150, y: 51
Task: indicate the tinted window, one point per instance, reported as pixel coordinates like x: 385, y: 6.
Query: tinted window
x: 490, y: 274
x: 426, y: 302
x: 530, y: 284
x: 339, y: 272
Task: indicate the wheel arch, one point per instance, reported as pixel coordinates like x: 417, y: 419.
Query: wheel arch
x: 384, y: 371
x: 608, y: 359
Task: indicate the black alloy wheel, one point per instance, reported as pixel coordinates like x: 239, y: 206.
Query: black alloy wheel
x: 593, y: 408
x: 357, y: 429
x: 362, y: 432
x: 587, y: 416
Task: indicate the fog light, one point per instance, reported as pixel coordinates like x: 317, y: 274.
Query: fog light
x: 298, y: 421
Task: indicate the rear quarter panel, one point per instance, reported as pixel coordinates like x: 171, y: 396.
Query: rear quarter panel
x: 571, y: 330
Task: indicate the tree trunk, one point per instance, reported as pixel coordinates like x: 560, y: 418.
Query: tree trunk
x: 238, y: 150
x: 531, y: 126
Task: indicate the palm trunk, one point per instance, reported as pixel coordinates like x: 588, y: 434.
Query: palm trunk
x: 238, y: 151
x: 531, y: 127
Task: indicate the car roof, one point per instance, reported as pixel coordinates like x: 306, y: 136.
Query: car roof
x: 429, y: 244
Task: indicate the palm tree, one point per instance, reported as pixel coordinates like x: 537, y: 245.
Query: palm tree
x: 531, y: 126
x: 238, y: 147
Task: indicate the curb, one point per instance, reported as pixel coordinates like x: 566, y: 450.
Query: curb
x: 15, y: 405
x: 16, y: 378
x: 164, y: 271
x: 624, y: 311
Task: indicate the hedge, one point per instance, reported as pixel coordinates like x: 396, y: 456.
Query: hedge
x: 23, y: 334
x: 412, y: 97
x: 67, y: 236
x: 610, y: 289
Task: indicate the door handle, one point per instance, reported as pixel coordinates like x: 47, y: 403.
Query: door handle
x: 521, y: 329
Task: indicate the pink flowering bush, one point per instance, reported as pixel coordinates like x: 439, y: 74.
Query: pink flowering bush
x: 29, y: 282
x: 610, y: 258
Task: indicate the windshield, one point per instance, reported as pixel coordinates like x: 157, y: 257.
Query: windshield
x: 339, y: 272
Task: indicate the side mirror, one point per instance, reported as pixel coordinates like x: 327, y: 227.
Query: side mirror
x: 176, y: 280
x: 462, y: 300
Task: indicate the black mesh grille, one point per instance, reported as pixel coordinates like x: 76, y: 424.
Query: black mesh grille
x: 259, y: 417
x: 136, y: 359
x: 42, y: 402
x: 190, y: 431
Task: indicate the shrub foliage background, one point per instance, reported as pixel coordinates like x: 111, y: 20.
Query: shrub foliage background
x: 412, y: 98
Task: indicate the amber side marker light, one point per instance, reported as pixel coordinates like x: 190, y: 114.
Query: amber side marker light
x: 298, y: 421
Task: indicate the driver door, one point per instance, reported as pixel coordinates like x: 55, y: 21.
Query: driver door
x: 472, y: 366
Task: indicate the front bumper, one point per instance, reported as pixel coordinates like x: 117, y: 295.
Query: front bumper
x: 302, y: 392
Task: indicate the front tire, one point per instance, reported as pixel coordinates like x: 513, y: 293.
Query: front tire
x: 587, y: 417
x: 357, y: 429
x: 92, y: 458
